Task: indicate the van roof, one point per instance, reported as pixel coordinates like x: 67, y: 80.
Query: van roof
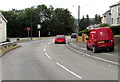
x: 102, y: 33
x: 100, y: 28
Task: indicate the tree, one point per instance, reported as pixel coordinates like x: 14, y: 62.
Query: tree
x: 97, y: 19
x: 12, y: 22
x: 56, y: 21
x: 87, y: 20
x: 63, y: 21
x: 84, y: 22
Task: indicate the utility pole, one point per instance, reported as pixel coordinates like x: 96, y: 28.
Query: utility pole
x: 31, y: 23
x: 78, y: 18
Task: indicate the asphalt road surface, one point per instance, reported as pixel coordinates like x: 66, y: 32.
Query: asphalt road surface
x: 44, y: 60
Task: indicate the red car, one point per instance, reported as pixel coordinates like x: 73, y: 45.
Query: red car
x: 60, y: 39
x: 100, y: 38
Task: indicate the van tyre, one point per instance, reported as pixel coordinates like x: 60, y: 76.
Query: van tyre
x: 87, y: 47
x: 94, y: 49
x: 111, y: 49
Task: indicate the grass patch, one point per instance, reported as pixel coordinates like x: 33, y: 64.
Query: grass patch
x: 7, y: 49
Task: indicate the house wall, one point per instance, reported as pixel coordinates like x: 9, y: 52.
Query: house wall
x: 107, y: 18
x: 3, y: 33
x: 115, y: 15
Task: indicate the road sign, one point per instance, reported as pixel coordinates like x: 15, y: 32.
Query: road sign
x: 38, y: 26
x: 28, y: 28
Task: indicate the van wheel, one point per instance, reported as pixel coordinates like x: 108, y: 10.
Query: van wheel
x: 94, y: 49
x: 55, y: 42
x: 111, y: 49
x: 87, y: 47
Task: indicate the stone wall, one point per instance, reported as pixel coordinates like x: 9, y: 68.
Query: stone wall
x: 117, y: 41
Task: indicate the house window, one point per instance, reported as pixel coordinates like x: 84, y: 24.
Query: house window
x: 118, y: 9
x: 112, y: 11
x: 118, y: 20
x: 0, y: 20
x: 112, y: 21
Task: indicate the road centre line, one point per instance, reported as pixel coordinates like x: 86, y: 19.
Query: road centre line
x: 44, y: 49
x: 68, y: 70
x: 93, y: 56
x: 48, y: 56
x: 45, y: 45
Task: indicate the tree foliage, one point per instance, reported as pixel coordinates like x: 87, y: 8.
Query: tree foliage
x: 85, y: 22
x: 55, y: 21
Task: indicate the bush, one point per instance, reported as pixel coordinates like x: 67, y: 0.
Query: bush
x: 86, y: 31
x: 104, y: 25
x: 115, y: 29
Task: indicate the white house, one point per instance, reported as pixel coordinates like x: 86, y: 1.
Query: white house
x: 107, y: 17
x: 3, y: 29
x: 115, y: 14
x: 112, y: 16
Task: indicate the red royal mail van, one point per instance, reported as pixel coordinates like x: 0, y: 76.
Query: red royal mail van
x: 100, y: 38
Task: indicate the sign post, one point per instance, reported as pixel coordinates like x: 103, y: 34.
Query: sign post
x: 28, y: 29
x: 39, y: 27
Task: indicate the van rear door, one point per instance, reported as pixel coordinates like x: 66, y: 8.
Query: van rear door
x: 104, y: 34
x: 92, y: 39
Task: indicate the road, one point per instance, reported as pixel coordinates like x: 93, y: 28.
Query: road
x: 43, y: 60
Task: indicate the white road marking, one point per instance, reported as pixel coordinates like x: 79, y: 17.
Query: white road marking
x: 83, y: 48
x: 44, y: 49
x: 105, y: 60
x: 45, y: 45
x: 79, y: 51
x: 48, y: 56
x: 49, y: 43
x: 108, y: 54
x: 93, y: 56
x: 68, y: 70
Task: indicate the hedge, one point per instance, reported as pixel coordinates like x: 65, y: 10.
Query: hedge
x: 86, y: 31
x: 115, y: 29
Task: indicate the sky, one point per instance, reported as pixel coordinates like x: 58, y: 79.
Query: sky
x: 90, y: 7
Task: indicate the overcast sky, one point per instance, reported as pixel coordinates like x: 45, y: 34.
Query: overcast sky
x: 90, y: 7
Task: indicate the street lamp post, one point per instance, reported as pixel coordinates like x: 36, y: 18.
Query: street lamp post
x: 78, y: 24
x: 78, y: 18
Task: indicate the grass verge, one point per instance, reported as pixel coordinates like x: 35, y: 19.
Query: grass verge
x: 7, y: 49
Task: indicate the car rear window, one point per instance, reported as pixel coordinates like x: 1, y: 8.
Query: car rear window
x: 60, y: 36
x: 74, y: 33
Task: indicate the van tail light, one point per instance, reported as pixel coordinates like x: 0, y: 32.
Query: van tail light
x: 111, y: 41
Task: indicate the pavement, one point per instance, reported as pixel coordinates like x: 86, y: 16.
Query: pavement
x: 111, y: 57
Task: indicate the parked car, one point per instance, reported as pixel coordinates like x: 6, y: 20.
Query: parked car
x: 73, y: 35
x: 100, y: 38
x: 60, y: 39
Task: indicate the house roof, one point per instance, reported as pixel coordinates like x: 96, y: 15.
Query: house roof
x: 106, y: 12
x: 3, y: 17
x: 115, y: 5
